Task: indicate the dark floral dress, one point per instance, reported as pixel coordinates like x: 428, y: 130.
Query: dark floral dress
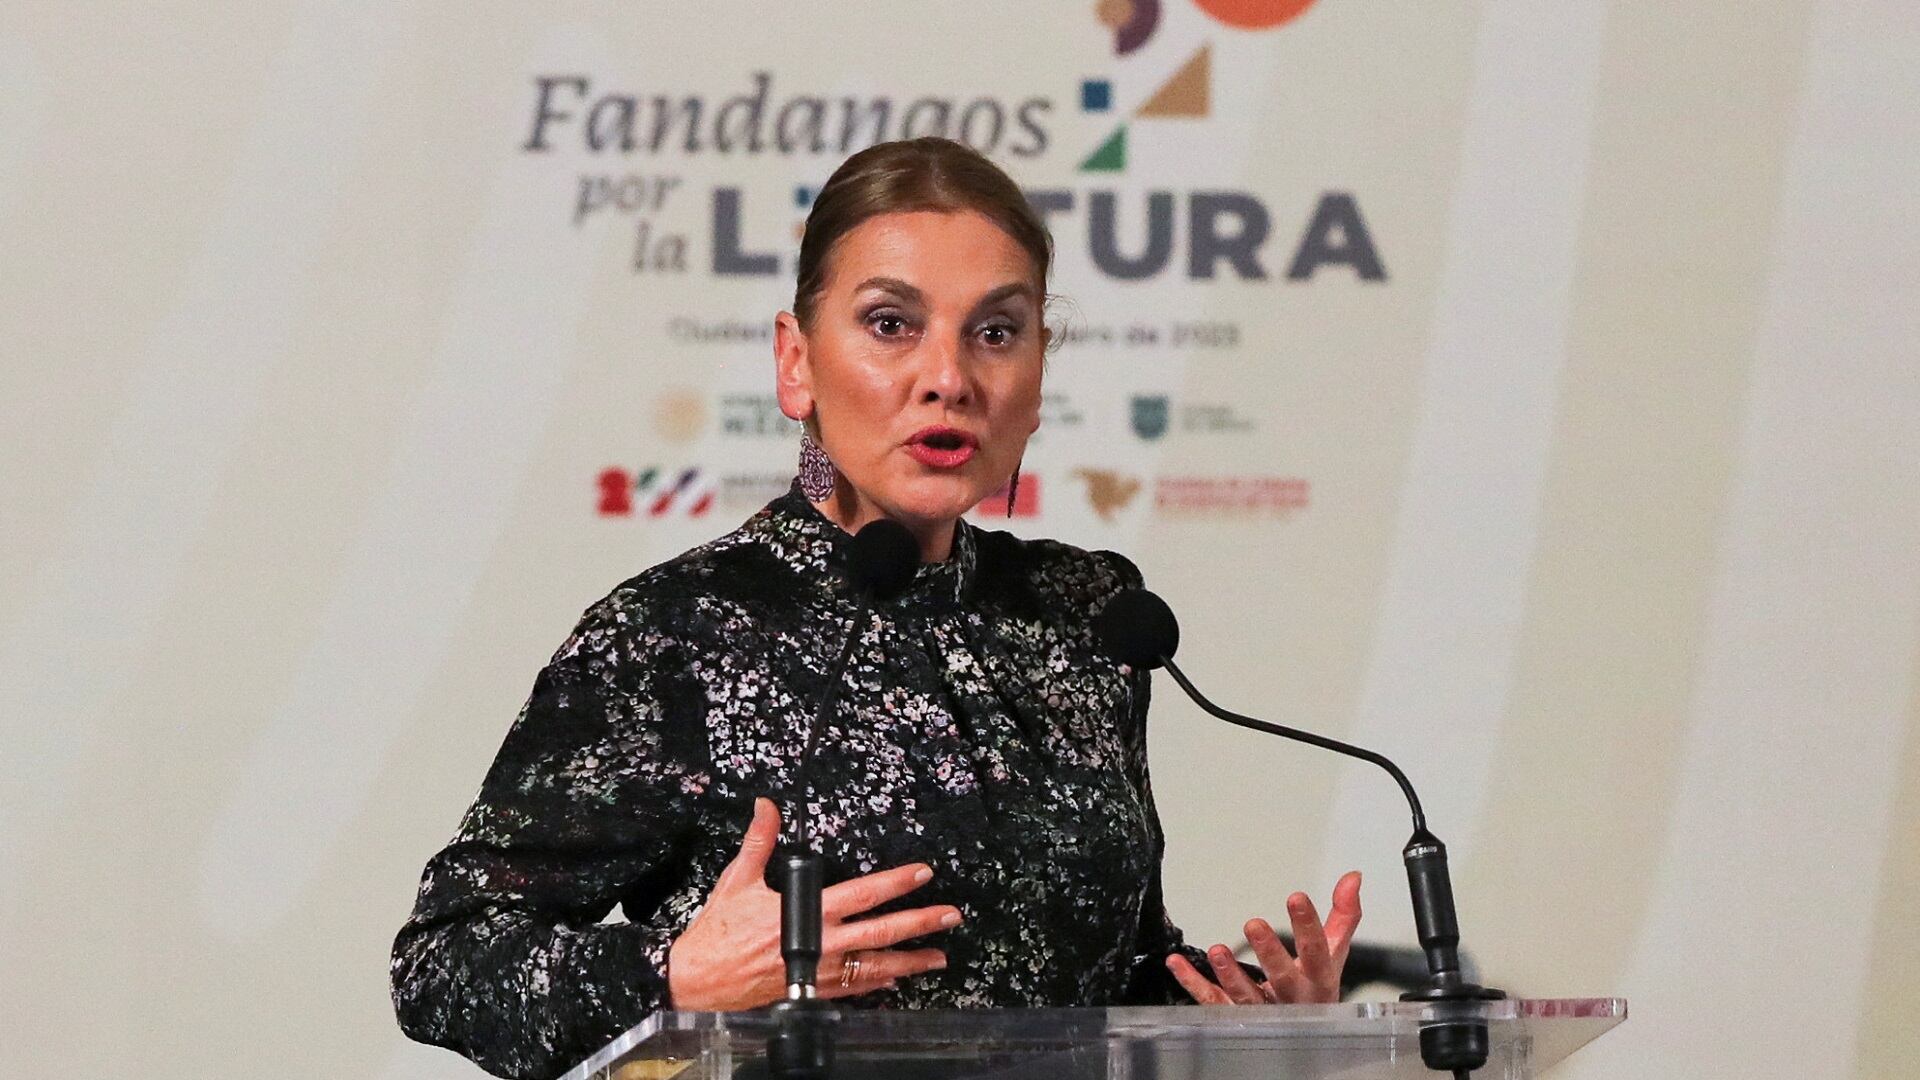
x: 979, y: 729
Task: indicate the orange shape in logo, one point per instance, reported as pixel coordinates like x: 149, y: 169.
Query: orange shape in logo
x: 1254, y: 14
x: 1188, y: 93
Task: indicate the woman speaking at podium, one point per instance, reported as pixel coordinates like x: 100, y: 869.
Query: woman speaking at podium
x: 980, y: 793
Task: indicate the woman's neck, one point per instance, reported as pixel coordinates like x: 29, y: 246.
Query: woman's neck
x: 848, y: 510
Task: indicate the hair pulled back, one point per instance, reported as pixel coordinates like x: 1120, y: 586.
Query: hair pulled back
x: 908, y: 175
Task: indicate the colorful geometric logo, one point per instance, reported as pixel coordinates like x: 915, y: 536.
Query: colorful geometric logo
x: 654, y: 492
x: 1188, y: 93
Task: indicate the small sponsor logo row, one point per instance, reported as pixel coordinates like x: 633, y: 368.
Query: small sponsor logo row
x: 656, y: 492
x: 684, y: 415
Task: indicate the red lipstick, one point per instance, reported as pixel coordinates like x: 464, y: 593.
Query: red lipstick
x: 942, y: 447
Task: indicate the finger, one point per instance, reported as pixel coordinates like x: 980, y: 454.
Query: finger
x: 1344, y: 919
x: 756, y: 849
x: 860, y: 894
x: 1310, y: 943
x: 1272, y: 953
x: 877, y: 969
x: 892, y: 928
x: 861, y: 987
x: 1232, y: 977
x: 1195, y: 984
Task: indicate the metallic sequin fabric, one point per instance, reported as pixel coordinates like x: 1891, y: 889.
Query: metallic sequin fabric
x: 979, y: 730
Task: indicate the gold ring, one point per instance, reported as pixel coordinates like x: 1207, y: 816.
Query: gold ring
x: 849, y: 969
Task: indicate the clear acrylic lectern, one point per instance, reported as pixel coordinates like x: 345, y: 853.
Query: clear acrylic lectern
x: 1359, y: 1041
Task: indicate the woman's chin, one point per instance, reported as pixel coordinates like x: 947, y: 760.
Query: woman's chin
x: 935, y: 499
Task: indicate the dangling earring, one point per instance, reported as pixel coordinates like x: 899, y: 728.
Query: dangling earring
x: 1013, y: 489
x: 816, y: 470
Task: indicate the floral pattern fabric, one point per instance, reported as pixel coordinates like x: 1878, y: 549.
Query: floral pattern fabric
x: 979, y: 728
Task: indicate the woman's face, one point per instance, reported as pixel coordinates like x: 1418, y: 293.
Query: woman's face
x: 921, y: 368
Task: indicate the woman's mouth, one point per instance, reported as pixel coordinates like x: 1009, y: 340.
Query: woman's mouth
x: 942, y: 447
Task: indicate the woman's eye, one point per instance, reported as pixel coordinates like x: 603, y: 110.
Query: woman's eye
x: 997, y: 334
x: 887, y: 324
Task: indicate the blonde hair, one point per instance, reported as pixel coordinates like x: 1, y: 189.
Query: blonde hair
x: 907, y: 175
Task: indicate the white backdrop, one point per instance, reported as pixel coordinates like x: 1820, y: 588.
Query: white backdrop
x: 1525, y: 390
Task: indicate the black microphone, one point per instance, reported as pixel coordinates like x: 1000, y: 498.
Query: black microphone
x: 881, y: 560
x: 1139, y: 630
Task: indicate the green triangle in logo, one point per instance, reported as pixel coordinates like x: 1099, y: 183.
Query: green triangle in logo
x: 1112, y: 155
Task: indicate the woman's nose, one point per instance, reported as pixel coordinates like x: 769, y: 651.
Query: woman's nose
x: 944, y: 376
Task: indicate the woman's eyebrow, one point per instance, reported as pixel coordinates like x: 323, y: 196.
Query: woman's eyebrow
x: 1011, y: 288
x: 895, y: 286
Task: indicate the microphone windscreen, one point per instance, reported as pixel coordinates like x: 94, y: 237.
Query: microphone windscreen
x: 1138, y: 629
x: 883, y: 558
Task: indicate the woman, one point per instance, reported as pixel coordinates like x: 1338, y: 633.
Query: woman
x: 980, y: 792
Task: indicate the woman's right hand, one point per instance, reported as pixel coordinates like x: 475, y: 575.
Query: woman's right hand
x: 729, y: 959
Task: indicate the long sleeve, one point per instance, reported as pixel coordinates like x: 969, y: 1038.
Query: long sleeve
x: 505, y: 957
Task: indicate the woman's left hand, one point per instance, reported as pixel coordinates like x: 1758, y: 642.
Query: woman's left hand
x: 1313, y: 977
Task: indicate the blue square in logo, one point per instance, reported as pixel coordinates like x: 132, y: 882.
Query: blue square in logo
x: 1096, y: 95
x: 802, y: 196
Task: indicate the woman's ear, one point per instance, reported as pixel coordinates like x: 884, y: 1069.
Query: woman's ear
x: 793, y: 375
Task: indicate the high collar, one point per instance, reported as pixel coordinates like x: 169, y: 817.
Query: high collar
x: 817, y: 549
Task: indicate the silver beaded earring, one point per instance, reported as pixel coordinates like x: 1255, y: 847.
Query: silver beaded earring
x: 816, y: 470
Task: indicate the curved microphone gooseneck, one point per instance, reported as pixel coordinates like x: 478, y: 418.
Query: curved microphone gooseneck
x: 1139, y: 630
x: 881, y: 560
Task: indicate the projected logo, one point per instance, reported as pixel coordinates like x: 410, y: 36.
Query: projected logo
x: 1150, y: 413
x: 1109, y: 492
x: 1154, y: 415
x: 1230, y: 496
x: 1226, y: 230
x: 1188, y: 93
x: 661, y: 162
x: 1112, y: 494
x: 654, y: 492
